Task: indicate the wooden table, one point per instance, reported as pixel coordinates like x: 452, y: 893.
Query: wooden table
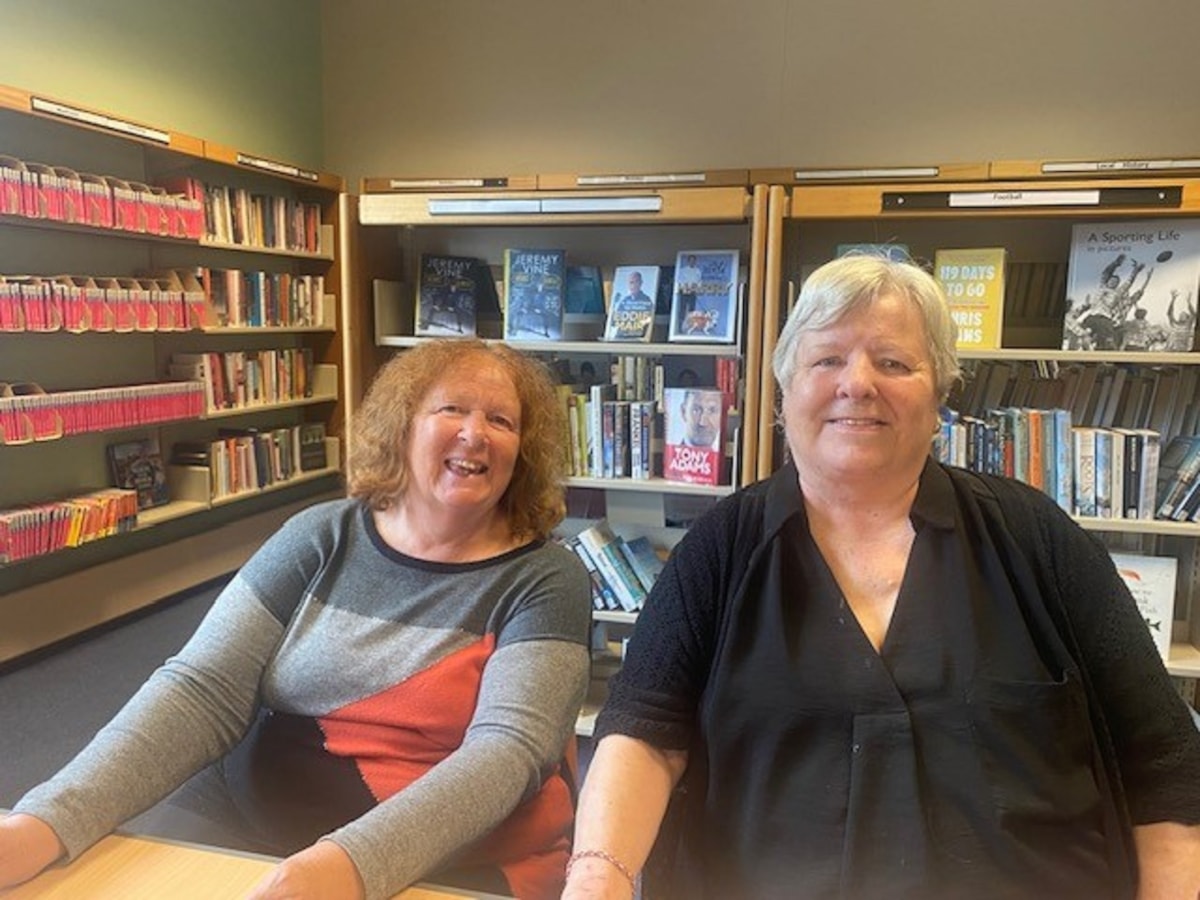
x: 124, y: 867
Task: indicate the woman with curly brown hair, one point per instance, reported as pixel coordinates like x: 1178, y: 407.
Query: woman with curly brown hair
x: 385, y: 691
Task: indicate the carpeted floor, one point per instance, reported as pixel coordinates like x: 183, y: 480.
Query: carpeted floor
x: 52, y: 705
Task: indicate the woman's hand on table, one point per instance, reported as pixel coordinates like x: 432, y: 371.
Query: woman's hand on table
x: 27, y: 845
x: 321, y: 871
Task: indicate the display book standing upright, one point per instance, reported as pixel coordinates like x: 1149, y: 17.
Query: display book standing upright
x: 120, y: 288
x: 1135, y: 386
x: 593, y: 220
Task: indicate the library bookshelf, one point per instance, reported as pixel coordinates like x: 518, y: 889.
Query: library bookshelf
x: 601, y: 222
x: 1020, y: 208
x: 119, y: 218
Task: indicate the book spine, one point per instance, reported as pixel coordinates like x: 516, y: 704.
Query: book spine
x: 1133, y: 473
x: 1036, y: 474
x: 1085, y: 471
x: 1064, y: 468
x: 1147, y: 486
x: 1117, y: 490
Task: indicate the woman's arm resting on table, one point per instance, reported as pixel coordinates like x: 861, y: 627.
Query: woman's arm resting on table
x: 27, y: 845
x: 1168, y: 861
x: 620, y: 810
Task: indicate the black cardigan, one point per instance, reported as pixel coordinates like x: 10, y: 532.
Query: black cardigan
x: 1149, y: 750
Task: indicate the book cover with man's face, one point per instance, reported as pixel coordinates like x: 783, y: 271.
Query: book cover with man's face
x: 693, y: 445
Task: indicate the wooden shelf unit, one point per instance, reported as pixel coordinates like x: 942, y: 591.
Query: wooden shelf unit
x: 38, y: 129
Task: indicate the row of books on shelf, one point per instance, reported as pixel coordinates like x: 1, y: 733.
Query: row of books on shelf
x: 56, y: 193
x: 622, y: 571
x: 236, y: 215
x: 249, y: 459
x: 1163, y: 398
x: 1109, y: 473
x: 168, y: 300
x: 238, y: 462
x: 42, y: 528
x: 241, y: 299
x: 28, y: 413
x: 240, y: 378
x: 611, y: 438
x: 699, y: 295
x: 80, y: 303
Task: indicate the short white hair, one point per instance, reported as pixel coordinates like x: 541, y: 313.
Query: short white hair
x: 852, y: 282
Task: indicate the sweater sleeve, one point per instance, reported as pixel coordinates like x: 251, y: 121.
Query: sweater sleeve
x: 529, y: 697
x: 191, y: 711
x: 1156, y: 741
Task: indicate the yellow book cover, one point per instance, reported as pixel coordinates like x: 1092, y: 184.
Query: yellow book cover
x: 973, y: 280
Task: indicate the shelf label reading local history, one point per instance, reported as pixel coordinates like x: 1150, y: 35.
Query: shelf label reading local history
x: 1120, y: 165
x: 99, y: 120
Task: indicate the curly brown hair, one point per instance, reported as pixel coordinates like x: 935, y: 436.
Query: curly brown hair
x: 378, y: 471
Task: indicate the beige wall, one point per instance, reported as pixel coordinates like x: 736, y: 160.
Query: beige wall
x: 453, y: 86
x: 518, y: 86
x: 241, y: 72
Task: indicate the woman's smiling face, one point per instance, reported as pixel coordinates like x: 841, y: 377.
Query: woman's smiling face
x: 464, y: 440
x: 863, y: 401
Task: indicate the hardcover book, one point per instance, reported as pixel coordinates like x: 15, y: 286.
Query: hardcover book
x: 631, y: 311
x: 704, y: 298
x: 585, y: 291
x: 310, y: 446
x: 138, y: 466
x: 973, y: 280
x: 694, y: 440
x: 1133, y: 286
x: 451, y: 291
x: 1151, y: 580
x: 534, y: 287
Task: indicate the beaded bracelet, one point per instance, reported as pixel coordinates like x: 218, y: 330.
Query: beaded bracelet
x: 608, y: 858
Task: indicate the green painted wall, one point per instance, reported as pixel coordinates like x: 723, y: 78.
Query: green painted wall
x: 246, y: 73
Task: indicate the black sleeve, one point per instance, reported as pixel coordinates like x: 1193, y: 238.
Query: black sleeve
x: 656, y: 694
x: 1156, y: 741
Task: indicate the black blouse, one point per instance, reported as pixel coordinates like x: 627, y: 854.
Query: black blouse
x: 956, y: 761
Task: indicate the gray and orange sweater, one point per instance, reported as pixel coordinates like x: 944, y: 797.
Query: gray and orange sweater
x: 415, y: 713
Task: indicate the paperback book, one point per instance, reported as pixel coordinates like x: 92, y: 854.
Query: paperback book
x: 973, y: 280
x: 138, y: 466
x: 631, y: 311
x: 1133, y: 286
x: 704, y: 300
x: 451, y: 291
x: 534, y: 287
x: 694, y: 439
x: 1151, y: 580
